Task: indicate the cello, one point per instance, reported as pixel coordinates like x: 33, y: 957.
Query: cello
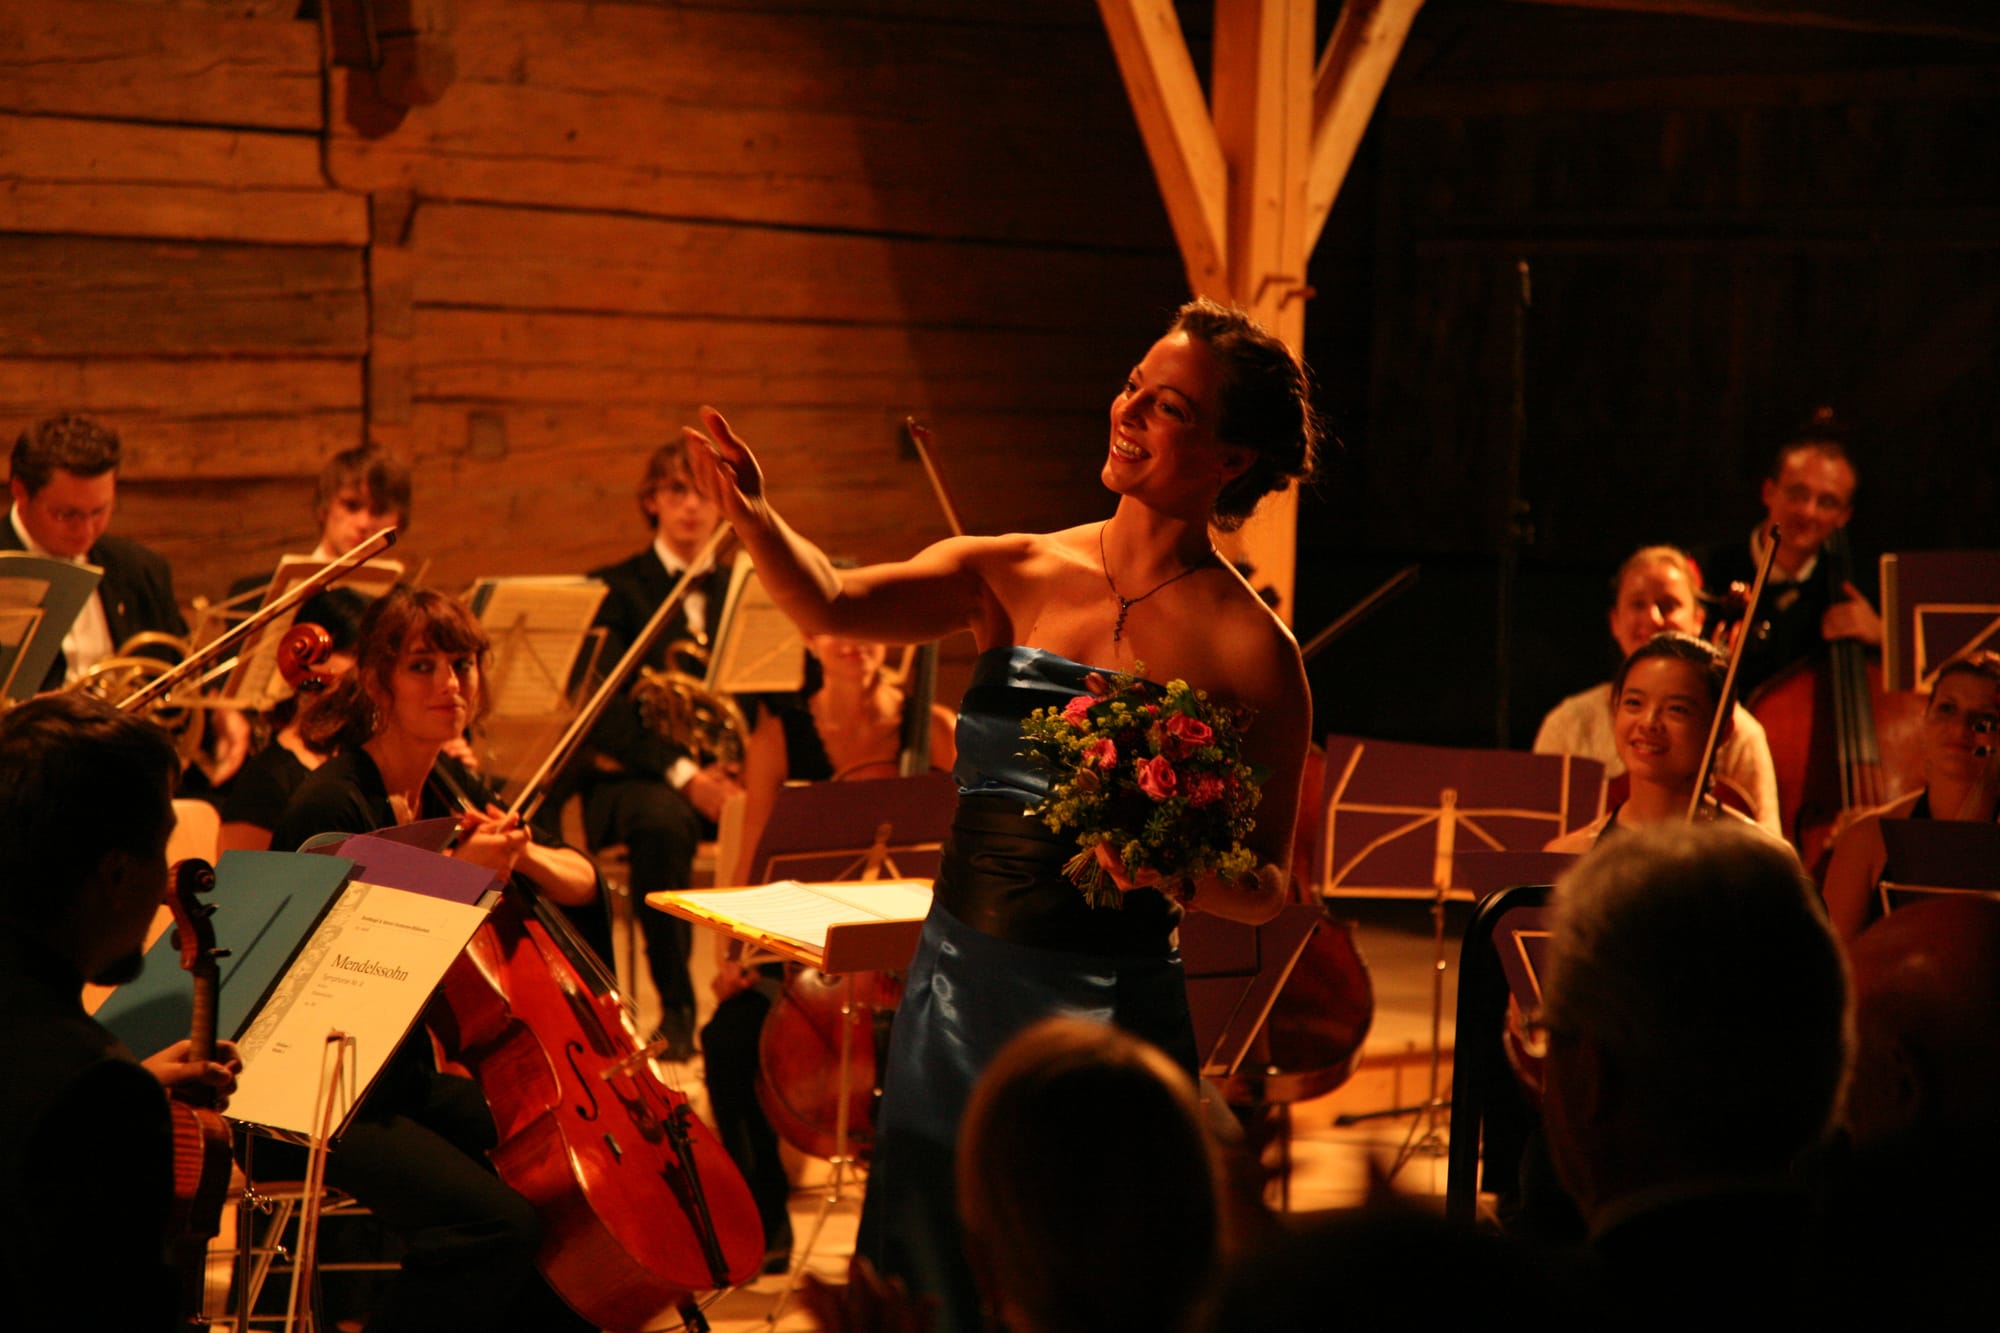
x: 1840, y: 742
x: 643, y: 1208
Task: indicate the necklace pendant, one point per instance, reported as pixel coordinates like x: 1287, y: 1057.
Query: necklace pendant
x: 1118, y: 630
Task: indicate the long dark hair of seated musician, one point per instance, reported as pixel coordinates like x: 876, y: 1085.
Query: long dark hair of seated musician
x: 416, y: 1151
x: 417, y: 687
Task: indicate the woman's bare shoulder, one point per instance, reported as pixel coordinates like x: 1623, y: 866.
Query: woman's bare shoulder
x: 1255, y: 646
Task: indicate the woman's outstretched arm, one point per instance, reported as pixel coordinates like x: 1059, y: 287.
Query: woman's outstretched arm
x: 937, y: 592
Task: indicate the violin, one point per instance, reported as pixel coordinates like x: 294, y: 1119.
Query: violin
x: 643, y: 1207
x: 301, y: 653
x: 203, y: 1159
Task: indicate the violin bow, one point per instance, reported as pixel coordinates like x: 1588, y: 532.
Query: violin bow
x: 163, y: 684
x: 1725, y: 705
x: 1395, y: 585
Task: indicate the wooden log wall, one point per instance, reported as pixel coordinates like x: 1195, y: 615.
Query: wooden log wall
x: 820, y: 218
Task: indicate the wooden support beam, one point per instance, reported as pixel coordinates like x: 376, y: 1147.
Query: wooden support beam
x: 1263, y: 118
x: 1963, y: 20
x: 1263, y: 83
x: 1366, y: 40
x: 1180, y: 139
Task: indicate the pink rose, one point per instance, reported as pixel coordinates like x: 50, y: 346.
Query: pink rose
x: 1157, y: 777
x: 1151, y: 710
x: 1187, y: 734
x: 1077, y: 710
x: 1204, y: 789
x: 1101, y: 752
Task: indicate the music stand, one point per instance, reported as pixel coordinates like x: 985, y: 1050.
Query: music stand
x: 1936, y: 605
x: 829, y: 832
x: 1395, y: 816
x: 1934, y: 857
x: 541, y: 632
x: 40, y: 598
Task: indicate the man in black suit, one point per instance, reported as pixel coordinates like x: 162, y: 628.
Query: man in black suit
x: 86, y: 1146
x: 64, y: 482
x: 639, y: 788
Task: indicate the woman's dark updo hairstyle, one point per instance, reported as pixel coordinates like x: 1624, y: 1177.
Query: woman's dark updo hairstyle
x: 1266, y: 405
x: 404, y: 620
x: 1684, y: 648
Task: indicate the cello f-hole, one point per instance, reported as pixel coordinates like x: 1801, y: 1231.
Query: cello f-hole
x: 591, y: 1108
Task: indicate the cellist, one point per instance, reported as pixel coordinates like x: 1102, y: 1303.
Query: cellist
x: 1659, y: 588
x: 415, y: 1152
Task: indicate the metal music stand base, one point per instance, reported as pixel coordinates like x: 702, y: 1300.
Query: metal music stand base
x: 1433, y: 1143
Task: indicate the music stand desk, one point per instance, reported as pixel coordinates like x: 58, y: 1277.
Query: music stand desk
x: 863, y: 944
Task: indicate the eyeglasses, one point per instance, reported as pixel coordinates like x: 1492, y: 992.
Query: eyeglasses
x: 70, y: 517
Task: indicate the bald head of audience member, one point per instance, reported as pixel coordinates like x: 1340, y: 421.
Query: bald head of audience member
x: 1087, y: 1184
x: 1696, y: 1006
x: 1927, y: 1021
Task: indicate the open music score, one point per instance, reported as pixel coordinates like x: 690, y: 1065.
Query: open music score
x: 757, y: 649
x: 844, y: 926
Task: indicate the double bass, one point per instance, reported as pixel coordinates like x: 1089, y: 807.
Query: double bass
x: 642, y: 1207
x: 1840, y: 743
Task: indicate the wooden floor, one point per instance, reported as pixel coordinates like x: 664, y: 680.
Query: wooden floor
x: 1330, y: 1161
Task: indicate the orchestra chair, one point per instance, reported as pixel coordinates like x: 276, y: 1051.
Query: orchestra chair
x: 614, y: 864
x: 1500, y: 956
x: 268, y: 1215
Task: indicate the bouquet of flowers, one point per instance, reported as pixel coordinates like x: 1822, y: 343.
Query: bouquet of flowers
x: 1154, y: 773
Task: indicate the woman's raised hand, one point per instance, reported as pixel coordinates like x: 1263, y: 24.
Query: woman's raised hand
x: 723, y: 467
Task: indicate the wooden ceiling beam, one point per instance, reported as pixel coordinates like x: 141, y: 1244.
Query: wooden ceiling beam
x: 1362, y: 51
x: 1263, y: 118
x: 1180, y: 138
x: 1969, y: 20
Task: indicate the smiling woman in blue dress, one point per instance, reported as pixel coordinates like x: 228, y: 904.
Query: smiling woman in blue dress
x: 1214, y: 417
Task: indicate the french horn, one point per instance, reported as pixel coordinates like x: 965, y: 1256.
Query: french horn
x: 677, y: 706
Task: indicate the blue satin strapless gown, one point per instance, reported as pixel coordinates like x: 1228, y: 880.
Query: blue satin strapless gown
x: 1009, y: 941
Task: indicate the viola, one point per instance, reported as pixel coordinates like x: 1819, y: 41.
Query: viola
x: 202, y: 1138
x: 302, y: 651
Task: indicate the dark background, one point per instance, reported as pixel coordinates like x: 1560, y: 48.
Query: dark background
x: 1727, y: 224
